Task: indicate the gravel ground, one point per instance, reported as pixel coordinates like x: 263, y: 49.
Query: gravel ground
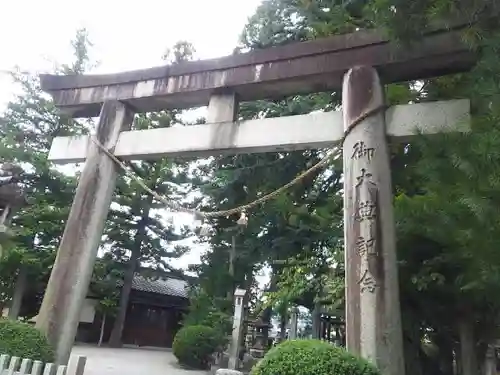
x: 130, y: 361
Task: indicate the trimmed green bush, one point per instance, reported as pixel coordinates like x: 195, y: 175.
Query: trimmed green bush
x: 24, y: 340
x: 194, y: 345
x: 311, y: 357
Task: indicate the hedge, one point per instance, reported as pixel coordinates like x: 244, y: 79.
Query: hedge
x: 194, y: 345
x: 311, y: 357
x: 25, y: 341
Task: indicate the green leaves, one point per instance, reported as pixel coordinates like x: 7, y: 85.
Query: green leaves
x: 24, y: 341
x: 446, y: 187
x: 206, y: 311
x: 28, y: 127
x: 304, y: 357
x: 194, y: 345
x: 133, y: 223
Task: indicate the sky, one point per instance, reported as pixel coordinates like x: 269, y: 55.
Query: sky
x: 126, y: 35
x: 35, y: 35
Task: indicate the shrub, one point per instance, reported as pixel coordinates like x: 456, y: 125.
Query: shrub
x: 194, y: 345
x: 311, y: 357
x: 25, y: 341
x: 205, y: 311
x: 219, y: 321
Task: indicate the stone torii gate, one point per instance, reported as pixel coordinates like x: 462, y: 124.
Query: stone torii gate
x: 373, y: 321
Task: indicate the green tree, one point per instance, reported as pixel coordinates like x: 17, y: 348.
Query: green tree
x: 446, y: 187
x: 301, y: 222
x: 136, y: 232
x: 27, y: 129
x: 106, y: 277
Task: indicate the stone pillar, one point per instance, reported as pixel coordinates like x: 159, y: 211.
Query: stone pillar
x: 69, y: 281
x: 234, y: 348
x: 294, y: 321
x: 373, y: 316
x: 490, y: 363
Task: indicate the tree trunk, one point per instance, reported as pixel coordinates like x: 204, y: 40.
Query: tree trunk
x: 115, y: 340
x: 467, y: 347
x: 316, y: 321
x: 17, y: 298
x: 411, y: 347
x: 103, y: 323
x: 283, y: 326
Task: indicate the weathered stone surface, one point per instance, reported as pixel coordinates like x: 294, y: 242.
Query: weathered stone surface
x: 373, y: 316
x: 305, y: 67
x: 227, y: 371
x: 223, y: 360
x: 266, y: 135
x: 11, y: 194
x: 248, y: 362
x: 70, y: 277
x: 11, y: 199
x: 236, y: 338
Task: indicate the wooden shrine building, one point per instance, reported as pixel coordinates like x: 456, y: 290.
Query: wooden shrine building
x: 154, y: 314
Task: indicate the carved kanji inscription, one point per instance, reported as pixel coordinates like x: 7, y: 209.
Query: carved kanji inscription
x: 366, y: 246
x: 364, y: 177
x: 366, y: 210
x: 360, y: 151
x: 367, y: 282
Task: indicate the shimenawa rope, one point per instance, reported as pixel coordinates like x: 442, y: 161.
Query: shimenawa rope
x: 244, y: 207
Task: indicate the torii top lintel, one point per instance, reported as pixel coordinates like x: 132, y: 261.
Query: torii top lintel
x: 297, y: 68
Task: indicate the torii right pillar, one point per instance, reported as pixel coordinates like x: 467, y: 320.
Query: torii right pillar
x: 373, y: 314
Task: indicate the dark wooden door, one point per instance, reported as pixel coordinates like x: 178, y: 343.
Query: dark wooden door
x: 147, y: 326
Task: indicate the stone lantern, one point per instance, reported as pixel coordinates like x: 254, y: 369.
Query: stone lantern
x: 11, y: 197
x: 261, y: 337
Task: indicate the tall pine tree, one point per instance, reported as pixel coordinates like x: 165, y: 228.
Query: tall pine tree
x: 137, y: 235
x: 27, y: 129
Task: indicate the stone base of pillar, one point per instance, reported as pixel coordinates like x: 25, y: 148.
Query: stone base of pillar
x: 227, y: 371
x: 257, y: 353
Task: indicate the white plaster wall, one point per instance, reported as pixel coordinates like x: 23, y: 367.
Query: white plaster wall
x: 88, y: 311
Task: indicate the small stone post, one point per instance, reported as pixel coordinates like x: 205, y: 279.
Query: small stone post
x: 373, y: 316
x: 234, y: 349
x: 294, y: 321
x: 490, y: 363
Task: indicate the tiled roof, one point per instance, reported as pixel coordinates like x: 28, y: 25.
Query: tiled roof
x: 165, y: 286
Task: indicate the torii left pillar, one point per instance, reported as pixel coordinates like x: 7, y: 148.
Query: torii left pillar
x: 69, y: 281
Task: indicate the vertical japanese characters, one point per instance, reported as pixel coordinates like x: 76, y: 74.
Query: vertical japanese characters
x: 366, y: 215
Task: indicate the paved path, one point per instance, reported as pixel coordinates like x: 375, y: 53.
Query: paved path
x: 126, y: 361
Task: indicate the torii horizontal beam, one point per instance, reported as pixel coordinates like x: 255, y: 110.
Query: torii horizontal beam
x: 288, y: 133
x: 297, y: 68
